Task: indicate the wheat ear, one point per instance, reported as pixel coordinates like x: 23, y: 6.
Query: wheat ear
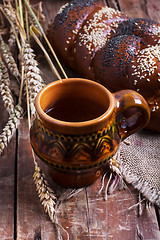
x: 47, y: 196
x: 10, y: 128
x: 7, y: 55
x: 5, y: 89
x: 45, y: 193
x: 12, y: 38
x: 11, y: 14
x: 31, y: 75
x: 32, y: 21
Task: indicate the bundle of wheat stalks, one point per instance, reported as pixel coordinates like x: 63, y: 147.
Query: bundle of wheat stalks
x: 20, y: 16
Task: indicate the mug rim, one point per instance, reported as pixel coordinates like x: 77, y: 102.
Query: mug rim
x: 82, y: 127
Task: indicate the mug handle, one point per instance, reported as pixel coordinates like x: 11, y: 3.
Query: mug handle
x: 132, y: 112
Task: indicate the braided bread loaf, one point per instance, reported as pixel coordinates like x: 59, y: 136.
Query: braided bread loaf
x: 104, y: 45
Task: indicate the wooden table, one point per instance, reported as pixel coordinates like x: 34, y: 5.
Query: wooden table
x: 86, y: 215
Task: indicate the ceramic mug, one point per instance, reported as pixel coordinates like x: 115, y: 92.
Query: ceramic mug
x: 79, y: 125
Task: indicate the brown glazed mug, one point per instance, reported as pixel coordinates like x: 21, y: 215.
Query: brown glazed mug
x: 79, y: 125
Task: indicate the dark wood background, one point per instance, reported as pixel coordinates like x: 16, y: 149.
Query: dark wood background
x: 86, y: 215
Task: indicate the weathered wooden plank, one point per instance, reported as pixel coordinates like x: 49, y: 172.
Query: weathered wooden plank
x: 88, y: 216
x: 158, y: 215
x: 132, y: 8
x: 7, y: 169
x: 50, y: 8
x: 32, y: 222
x: 147, y: 225
x: 153, y: 9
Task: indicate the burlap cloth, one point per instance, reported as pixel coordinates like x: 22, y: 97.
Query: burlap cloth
x: 139, y: 158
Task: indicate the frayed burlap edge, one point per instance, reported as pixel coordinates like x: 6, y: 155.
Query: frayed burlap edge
x: 142, y: 186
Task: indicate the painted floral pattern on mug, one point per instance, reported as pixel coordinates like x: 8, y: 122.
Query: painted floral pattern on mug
x: 75, y: 152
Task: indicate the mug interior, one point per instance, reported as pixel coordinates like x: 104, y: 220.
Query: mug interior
x: 76, y: 88
x: 75, y: 100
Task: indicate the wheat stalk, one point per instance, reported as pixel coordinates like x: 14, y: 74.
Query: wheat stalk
x: 34, y: 84
x: 7, y: 55
x: 5, y: 89
x: 32, y: 75
x: 45, y: 37
x: 33, y: 32
x: 10, y: 128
